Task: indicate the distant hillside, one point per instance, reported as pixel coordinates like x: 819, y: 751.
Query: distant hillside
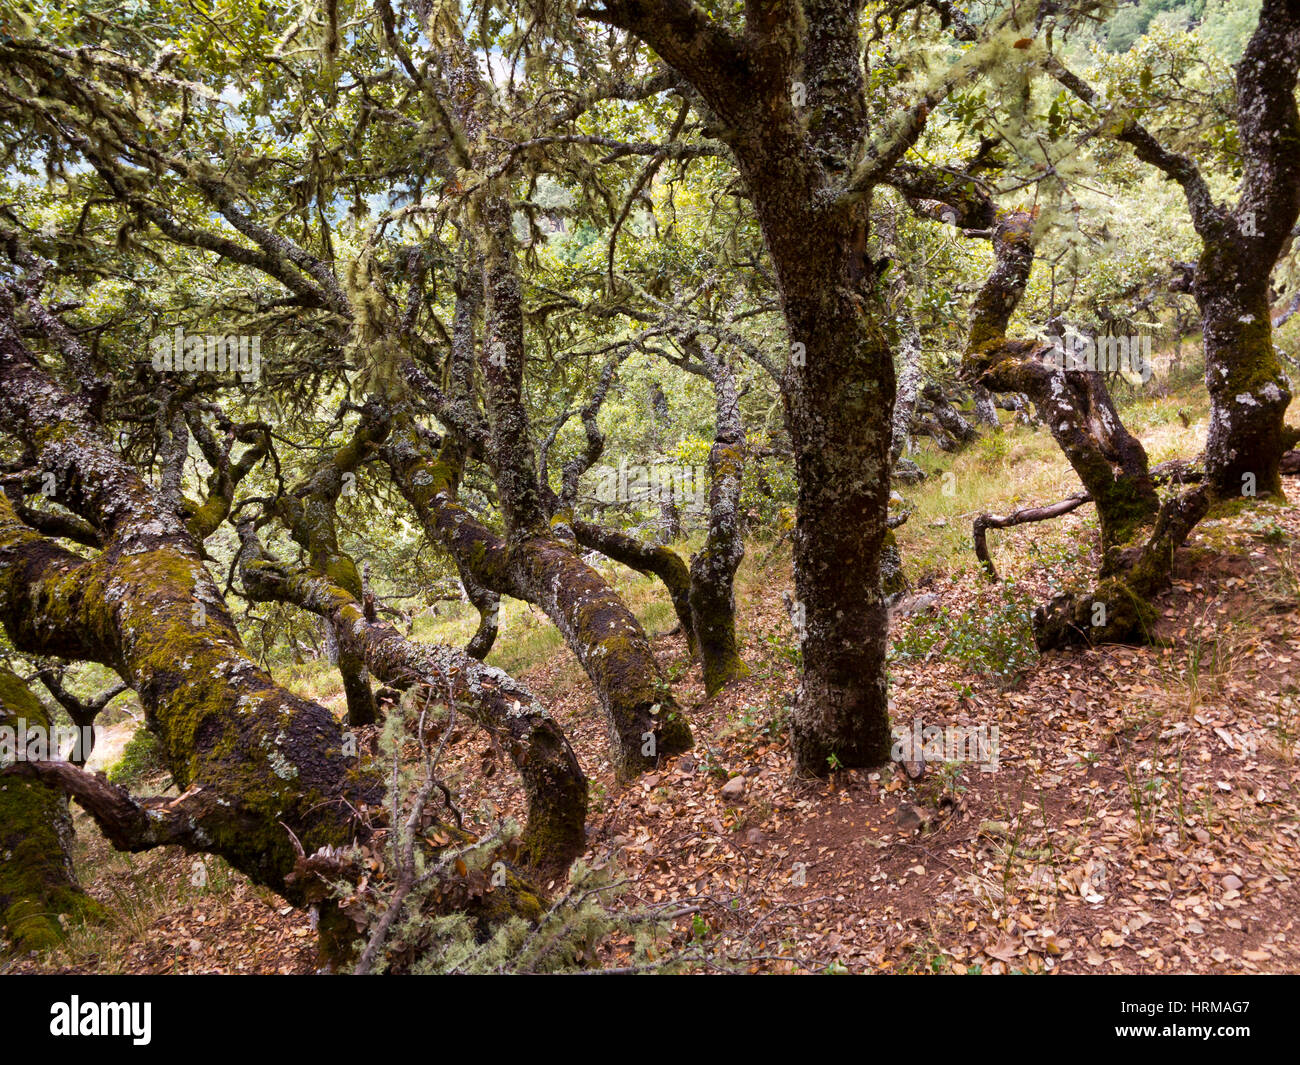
x: 1226, y: 24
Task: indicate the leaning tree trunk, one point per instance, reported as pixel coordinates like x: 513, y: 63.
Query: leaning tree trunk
x: 1139, y: 534
x: 1074, y: 404
x: 652, y: 560
x: 554, y: 786
x: 645, y: 721
x: 38, y: 885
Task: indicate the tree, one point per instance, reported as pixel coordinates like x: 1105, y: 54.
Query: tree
x: 785, y: 90
x: 1240, y: 245
x: 357, y: 317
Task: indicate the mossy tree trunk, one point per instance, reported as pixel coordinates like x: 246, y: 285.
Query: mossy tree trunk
x: 266, y: 779
x: 714, y: 566
x: 249, y: 756
x: 654, y: 560
x: 645, y: 721
x: 1139, y: 534
x: 811, y: 183
x: 651, y: 559
x: 534, y: 561
x: 309, y: 512
x: 38, y: 884
x: 554, y: 785
x: 702, y: 594
x: 1075, y: 405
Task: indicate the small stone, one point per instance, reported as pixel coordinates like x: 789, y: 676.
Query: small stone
x: 1231, y: 883
x: 909, y: 818
x: 917, y: 604
x: 1201, y: 835
x: 734, y: 788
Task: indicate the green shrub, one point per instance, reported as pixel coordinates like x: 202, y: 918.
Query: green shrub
x: 142, y: 759
x: 1000, y: 643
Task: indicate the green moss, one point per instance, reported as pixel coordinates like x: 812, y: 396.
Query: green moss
x: 37, y: 882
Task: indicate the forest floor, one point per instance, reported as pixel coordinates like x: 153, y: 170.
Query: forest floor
x: 1140, y: 815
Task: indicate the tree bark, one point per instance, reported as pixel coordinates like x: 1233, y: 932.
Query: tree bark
x: 38, y: 884
x: 714, y: 566
x: 555, y: 788
x: 655, y: 561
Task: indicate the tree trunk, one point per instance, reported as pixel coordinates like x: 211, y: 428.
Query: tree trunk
x: 308, y: 511
x: 838, y: 388
x: 645, y: 721
x: 38, y: 884
x: 841, y: 447
x: 1240, y: 245
x: 713, y: 567
x: 986, y: 412
x: 264, y: 774
x: 1075, y: 405
x: 554, y: 785
x: 670, y: 515
x: 1249, y: 390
